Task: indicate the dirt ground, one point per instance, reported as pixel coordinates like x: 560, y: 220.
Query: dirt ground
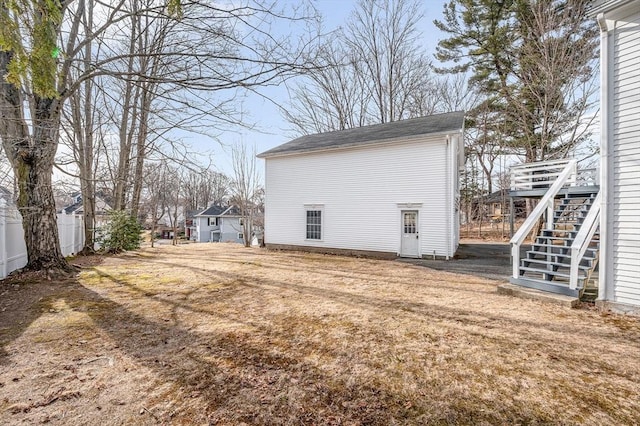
x: 221, y: 334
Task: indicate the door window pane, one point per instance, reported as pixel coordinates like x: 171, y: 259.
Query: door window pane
x: 409, y: 222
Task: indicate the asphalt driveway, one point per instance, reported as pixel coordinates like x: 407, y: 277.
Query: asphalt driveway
x: 486, y: 260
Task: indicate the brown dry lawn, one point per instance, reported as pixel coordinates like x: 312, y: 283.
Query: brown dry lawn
x: 220, y: 334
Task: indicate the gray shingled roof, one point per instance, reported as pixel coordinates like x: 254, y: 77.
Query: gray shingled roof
x: 216, y: 210
x: 433, y: 124
x: 232, y: 211
x: 71, y: 208
x: 101, y: 205
x: 213, y: 210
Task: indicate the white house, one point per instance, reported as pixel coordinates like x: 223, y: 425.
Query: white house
x: 619, y: 280
x: 383, y: 190
x: 218, y: 224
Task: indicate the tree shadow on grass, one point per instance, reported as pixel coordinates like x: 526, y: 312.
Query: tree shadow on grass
x: 237, y: 376
x: 242, y: 377
x: 20, y: 304
x: 463, y: 322
x: 234, y: 378
x: 461, y: 316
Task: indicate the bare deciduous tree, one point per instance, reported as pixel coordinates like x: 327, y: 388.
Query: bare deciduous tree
x: 156, y: 194
x: 374, y: 71
x: 82, y: 126
x: 213, y: 50
x: 335, y: 98
x: 203, y: 187
x: 246, y: 188
x: 383, y: 35
x: 175, y: 205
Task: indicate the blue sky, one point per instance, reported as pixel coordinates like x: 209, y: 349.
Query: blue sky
x: 270, y: 128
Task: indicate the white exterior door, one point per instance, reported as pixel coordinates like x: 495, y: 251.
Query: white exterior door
x: 410, y: 241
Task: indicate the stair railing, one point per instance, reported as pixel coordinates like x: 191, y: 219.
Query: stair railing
x: 588, y: 177
x: 546, y: 203
x: 537, y: 175
x: 583, y: 239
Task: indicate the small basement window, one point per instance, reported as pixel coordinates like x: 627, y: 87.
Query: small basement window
x: 314, y: 224
x: 240, y: 236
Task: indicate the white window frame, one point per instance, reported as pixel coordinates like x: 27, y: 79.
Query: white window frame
x: 314, y: 208
x: 241, y: 236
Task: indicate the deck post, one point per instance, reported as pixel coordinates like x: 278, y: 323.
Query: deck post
x: 515, y: 260
x: 511, y: 216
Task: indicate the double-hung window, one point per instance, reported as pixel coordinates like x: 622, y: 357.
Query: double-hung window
x: 314, y: 224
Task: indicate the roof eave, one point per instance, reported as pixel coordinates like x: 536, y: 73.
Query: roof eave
x: 413, y: 138
x: 605, y: 6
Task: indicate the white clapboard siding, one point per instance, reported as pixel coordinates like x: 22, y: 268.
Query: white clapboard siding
x: 359, y: 191
x: 626, y: 161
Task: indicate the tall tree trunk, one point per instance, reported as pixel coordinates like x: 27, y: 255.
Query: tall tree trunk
x: 247, y: 228
x: 82, y: 123
x: 32, y: 160
x: 127, y: 125
x: 36, y: 201
x: 148, y: 65
x: 85, y: 147
x: 141, y: 152
x: 37, y: 206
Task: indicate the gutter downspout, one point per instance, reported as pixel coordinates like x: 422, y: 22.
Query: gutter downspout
x: 605, y: 276
x: 449, y: 188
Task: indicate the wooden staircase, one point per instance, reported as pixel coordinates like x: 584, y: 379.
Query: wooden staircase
x: 547, y: 266
x: 564, y: 253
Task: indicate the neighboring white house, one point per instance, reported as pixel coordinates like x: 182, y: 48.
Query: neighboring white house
x: 384, y: 190
x: 619, y: 280
x: 218, y: 224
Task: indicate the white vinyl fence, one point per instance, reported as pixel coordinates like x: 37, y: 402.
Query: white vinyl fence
x: 13, y: 251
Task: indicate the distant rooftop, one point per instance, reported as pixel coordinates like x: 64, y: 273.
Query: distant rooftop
x: 369, y: 135
x: 6, y: 195
x: 217, y: 210
x: 77, y: 207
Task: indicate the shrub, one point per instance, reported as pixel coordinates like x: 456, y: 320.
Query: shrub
x: 122, y: 232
